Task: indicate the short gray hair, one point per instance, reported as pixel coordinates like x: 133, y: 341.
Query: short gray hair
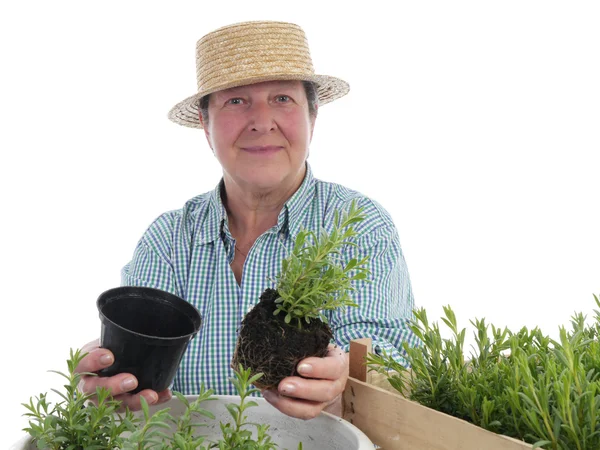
x: 311, y: 96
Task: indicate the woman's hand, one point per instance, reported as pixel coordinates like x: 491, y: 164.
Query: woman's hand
x: 319, y: 388
x: 119, y: 385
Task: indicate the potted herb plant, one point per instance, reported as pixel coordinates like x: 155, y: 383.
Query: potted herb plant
x: 77, y: 423
x: 288, y: 323
x: 184, y: 423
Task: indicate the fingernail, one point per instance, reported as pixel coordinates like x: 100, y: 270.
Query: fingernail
x: 270, y: 396
x: 165, y: 396
x: 151, y: 398
x: 106, y: 359
x: 128, y: 384
x: 305, y: 369
x: 287, y: 388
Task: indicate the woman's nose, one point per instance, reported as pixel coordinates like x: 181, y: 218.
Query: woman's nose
x: 261, y: 118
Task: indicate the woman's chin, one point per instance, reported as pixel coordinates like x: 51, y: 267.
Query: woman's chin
x: 264, y: 178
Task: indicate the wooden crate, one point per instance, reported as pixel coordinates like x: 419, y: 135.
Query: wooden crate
x: 395, y: 423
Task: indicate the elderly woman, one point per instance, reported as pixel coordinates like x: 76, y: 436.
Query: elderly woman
x: 257, y: 104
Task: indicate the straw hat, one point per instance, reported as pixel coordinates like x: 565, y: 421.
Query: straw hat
x: 251, y: 52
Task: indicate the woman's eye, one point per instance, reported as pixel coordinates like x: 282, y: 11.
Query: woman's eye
x: 283, y: 98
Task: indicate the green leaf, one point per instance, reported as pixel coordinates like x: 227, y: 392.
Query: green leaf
x: 233, y: 409
x: 255, y: 378
x: 180, y: 441
x: 351, y: 264
x: 145, y: 409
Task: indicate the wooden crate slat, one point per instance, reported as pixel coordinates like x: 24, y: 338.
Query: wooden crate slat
x: 395, y: 423
x: 359, y: 349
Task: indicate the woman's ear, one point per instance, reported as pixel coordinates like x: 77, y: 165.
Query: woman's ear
x: 206, y: 132
x: 202, y: 121
x: 313, y: 121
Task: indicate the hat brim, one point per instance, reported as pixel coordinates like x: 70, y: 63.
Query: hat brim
x: 329, y: 88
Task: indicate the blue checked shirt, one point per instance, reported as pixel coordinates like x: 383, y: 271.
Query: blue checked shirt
x: 188, y: 252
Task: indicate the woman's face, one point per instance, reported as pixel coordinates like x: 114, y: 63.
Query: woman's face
x: 260, y: 134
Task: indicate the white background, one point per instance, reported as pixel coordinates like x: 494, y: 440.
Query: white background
x: 476, y: 124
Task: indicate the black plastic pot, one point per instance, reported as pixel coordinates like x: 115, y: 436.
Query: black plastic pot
x: 148, y: 331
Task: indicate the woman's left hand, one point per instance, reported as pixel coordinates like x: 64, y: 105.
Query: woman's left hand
x: 319, y: 388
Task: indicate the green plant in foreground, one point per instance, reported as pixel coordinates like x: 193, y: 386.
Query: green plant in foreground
x: 237, y: 435
x: 75, y: 423
x: 152, y: 436
x: 313, y: 277
x: 524, y: 384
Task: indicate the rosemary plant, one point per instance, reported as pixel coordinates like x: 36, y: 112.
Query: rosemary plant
x: 152, y: 436
x: 314, y: 278
x: 524, y: 384
x: 76, y: 423
x: 237, y: 435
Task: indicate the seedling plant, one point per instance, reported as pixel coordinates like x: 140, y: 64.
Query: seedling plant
x: 288, y: 324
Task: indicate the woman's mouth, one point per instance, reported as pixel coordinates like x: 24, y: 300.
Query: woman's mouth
x: 262, y: 149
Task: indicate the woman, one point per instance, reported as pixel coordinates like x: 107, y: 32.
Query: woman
x: 257, y: 103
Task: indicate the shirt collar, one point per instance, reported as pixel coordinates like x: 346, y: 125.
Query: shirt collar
x: 216, y: 220
x: 290, y: 218
x: 289, y: 221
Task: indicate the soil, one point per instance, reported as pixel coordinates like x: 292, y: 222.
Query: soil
x: 267, y: 344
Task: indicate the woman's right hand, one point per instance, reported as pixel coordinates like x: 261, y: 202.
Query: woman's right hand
x: 119, y: 385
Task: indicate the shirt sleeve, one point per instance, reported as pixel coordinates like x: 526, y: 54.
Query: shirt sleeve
x: 385, y: 301
x: 152, y: 262
x: 147, y: 269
